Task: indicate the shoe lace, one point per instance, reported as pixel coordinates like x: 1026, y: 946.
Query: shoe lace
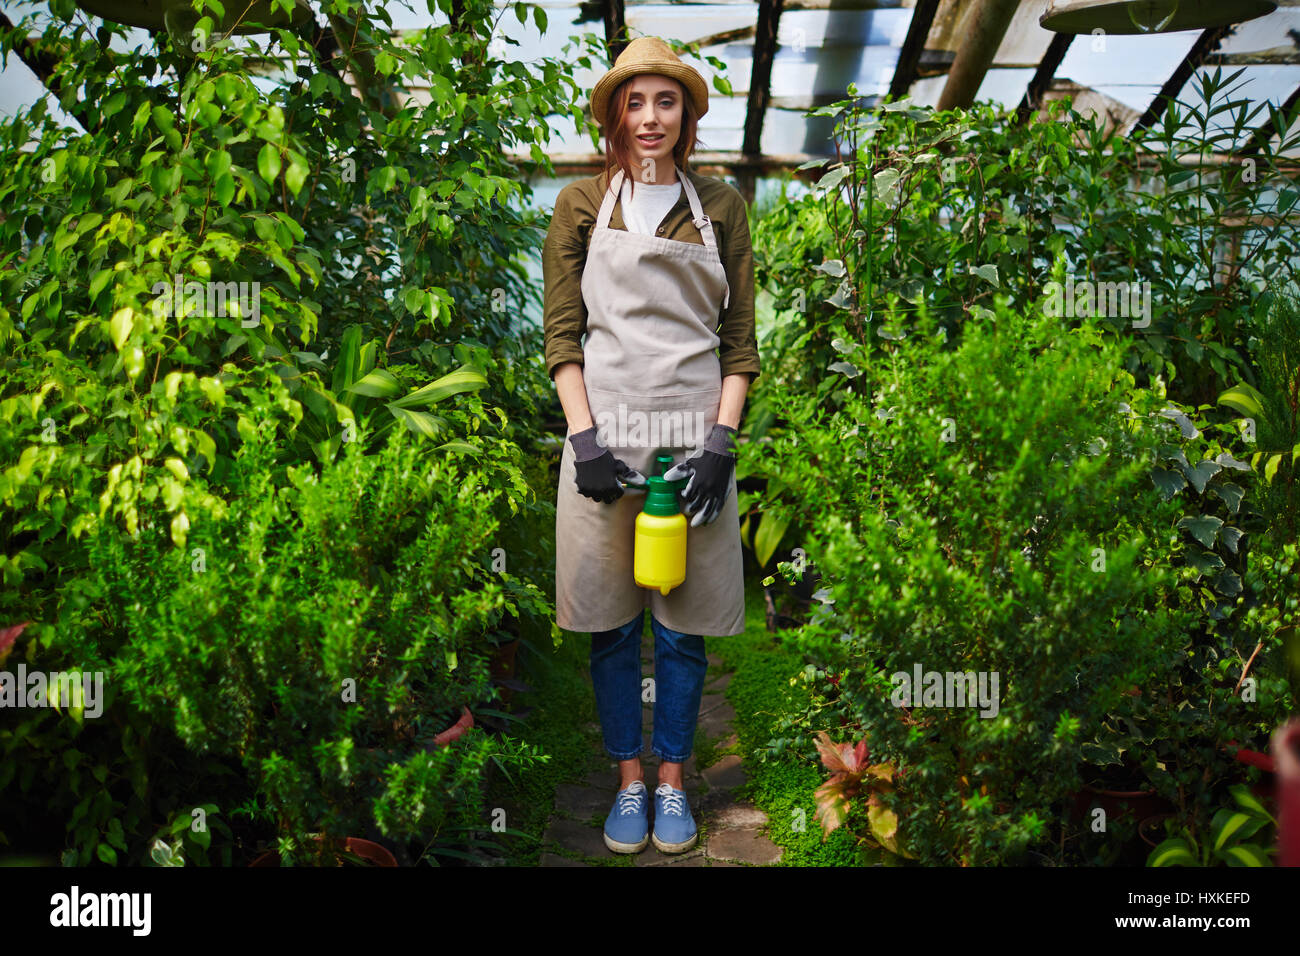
x: 674, y: 801
x: 629, y: 800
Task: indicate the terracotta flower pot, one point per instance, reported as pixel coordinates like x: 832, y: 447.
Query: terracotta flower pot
x: 456, y: 730
x: 1149, y: 828
x: 366, y: 849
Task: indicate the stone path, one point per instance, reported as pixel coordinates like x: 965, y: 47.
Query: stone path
x: 731, y: 831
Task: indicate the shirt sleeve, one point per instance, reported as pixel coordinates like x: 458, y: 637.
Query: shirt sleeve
x: 738, y: 350
x: 564, y: 313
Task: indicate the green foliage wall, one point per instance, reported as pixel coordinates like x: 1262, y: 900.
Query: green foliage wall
x: 985, y: 481
x: 371, y: 247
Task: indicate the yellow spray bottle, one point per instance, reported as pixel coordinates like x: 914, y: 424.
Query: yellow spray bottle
x: 659, y: 555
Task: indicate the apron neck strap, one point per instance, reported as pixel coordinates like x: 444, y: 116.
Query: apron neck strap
x: 700, y: 220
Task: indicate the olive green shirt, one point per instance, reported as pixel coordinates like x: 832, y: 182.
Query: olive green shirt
x: 564, y: 316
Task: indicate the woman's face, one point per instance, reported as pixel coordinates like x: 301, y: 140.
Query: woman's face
x: 653, y: 124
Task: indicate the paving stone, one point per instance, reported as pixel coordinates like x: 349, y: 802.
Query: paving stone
x: 652, y: 857
x: 745, y: 844
x: 720, y: 685
x: 715, y: 660
x: 711, y: 702
x: 690, y: 766
x: 711, y: 801
x: 581, y: 802
x: 551, y: 859
x: 738, y: 815
x: 603, y: 779
x: 718, y: 721
x: 713, y: 862
x: 723, y: 711
x: 579, y: 837
x: 683, y: 859
x: 730, y: 743
x: 726, y: 774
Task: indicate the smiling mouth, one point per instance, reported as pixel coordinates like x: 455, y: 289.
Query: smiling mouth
x: 650, y: 140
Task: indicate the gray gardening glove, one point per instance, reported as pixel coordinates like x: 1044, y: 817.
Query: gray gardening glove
x: 709, y: 470
x: 601, y: 476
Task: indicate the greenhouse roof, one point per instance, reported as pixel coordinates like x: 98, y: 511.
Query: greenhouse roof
x: 805, y: 53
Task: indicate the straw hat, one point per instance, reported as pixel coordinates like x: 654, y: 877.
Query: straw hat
x: 649, y: 55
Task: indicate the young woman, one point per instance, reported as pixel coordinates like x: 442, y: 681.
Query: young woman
x: 653, y: 263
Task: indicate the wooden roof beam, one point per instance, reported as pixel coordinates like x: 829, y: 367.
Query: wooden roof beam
x: 985, y: 32
x: 760, y: 80
x: 910, y: 53
x: 616, y: 38
x: 1051, y: 62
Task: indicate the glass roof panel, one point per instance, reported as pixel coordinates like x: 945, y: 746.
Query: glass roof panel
x: 1292, y: 135
x: 925, y: 92
x: 1131, y: 68
x: 1005, y: 86
x: 1136, y: 96
x: 1279, y: 31
x: 832, y: 28
x: 790, y: 132
x: 739, y: 65
x: 685, y: 22
x: 724, y: 123
x: 828, y: 72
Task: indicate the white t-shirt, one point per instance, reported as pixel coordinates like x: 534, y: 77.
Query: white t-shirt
x: 644, y: 210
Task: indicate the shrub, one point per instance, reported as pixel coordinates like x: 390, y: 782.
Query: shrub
x: 384, y: 241
x: 986, y: 508
x: 323, y: 633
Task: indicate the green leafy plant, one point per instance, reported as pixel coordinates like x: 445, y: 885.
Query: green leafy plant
x: 1272, y: 416
x: 932, y: 229
x: 1029, y: 544
x: 380, y: 242
x: 1229, y: 841
x: 340, y: 618
x: 188, y: 838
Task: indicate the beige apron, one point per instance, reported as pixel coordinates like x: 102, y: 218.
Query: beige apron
x: 653, y: 385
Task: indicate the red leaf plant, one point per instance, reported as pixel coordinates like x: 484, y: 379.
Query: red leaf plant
x: 852, y: 776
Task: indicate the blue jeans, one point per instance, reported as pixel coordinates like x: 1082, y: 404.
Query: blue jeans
x: 680, y: 666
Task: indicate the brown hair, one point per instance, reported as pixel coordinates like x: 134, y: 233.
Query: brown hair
x: 618, y: 151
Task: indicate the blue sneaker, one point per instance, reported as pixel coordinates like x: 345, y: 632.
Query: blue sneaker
x: 675, y: 830
x: 627, y: 828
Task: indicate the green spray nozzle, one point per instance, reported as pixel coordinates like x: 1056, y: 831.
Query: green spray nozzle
x: 661, y: 497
